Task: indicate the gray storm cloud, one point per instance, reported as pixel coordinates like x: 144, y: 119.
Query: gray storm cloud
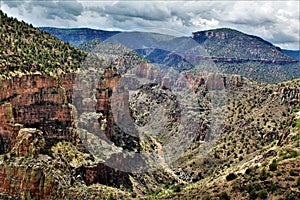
x: 275, y: 21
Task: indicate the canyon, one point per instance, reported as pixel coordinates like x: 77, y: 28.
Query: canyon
x: 106, y: 123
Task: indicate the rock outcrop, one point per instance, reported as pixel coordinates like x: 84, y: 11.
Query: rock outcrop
x: 46, y: 103
x: 36, y: 101
x: 25, y: 174
x: 29, y: 142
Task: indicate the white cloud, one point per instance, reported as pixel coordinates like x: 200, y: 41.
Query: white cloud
x: 204, y: 22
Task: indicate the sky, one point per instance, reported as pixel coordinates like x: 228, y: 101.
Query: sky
x: 274, y: 21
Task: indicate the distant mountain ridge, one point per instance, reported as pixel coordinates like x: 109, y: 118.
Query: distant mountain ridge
x: 229, y: 43
x: 76, y: 36
x: 229, y: 50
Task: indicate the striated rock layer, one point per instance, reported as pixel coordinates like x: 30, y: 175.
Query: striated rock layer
x: 35, y: 101
x: 44, y: 102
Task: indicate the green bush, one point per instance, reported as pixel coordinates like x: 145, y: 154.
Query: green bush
x: 177, y: 188
x: 5, y: 157
x: 293, y: 173
x: 298, y: 182
x: 12, y: 154
x: 257, y: 186
x: 252, y: 194
x: 298, y: 123
x: 133, y: 195
x: 231, y: 176
x: 248, y: 170
x: 241, y: 158
x: 249, y: 187
x: 278, y: 173
x: 273, y: 166
x: 224, y: 196
x: 110, y: 197
x: 273, y: 188
x: 263, y: 194
x: 263, y: 174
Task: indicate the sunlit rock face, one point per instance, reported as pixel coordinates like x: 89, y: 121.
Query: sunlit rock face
x: 35, y: 101
x: 29, y: 142
x: 22, y: 171
x: 45, y: 102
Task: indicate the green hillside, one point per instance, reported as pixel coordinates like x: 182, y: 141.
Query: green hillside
x: 26, y: 49
x: 229, y: 43
x: 234, y: 52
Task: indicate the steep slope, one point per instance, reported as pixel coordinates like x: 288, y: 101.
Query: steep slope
x: 256, y: 153
x: 237, y: 53
x: 230, y: 43
x: 76, y: 36
x: 35, y: 79
x: 25, y: 49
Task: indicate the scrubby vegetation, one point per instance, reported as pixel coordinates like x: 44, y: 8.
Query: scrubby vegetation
x: 25, y: 49
x: 237, y: 53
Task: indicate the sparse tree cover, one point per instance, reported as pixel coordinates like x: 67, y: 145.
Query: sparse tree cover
x: 26, y: 49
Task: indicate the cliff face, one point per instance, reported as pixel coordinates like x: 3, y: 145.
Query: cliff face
x: 36, y: 101
x: 44, y: 102
x: 24, y: 173
x: 41, y: 96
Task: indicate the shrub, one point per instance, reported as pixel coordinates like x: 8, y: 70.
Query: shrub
x: 273, y: 166
x: 110, y: 197
x: 133, y: 195
x: 298, y: 182
x: 231, y: 176
x: 248, y: 171
x: 5, y: 157
x: 273, y: 188
x: 224, y: 196
x: 252, y: 194
x: 257, y: 186
x: 12, y: 154
x: 278, y: 173
x: 263, y: 174
x: 177, y: 188
x: 249, y: 187
x: 263, y: 194
x: 298, y: 123
x: 293, y: 173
